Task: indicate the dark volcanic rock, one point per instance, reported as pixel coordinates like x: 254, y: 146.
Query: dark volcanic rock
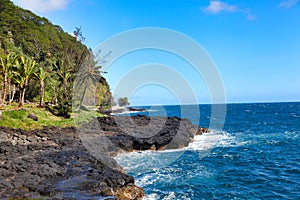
x: 33, y: 117
x: 136, y: 109
x: 144, y: 133
x: 45, y: 163
x: 56, y: 162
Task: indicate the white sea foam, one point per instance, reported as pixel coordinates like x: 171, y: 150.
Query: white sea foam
x: 148, y: 179
x: 132, y: 112
x: 208, y: 141
x: 155, y: 178
x: 140, y: 162
x: 149, y: 160
x: 148, y: 165
x: 153, y: 110
x: 126, y: 112
x: 152, y: 196
x: 204, y: 142
x: 169, y: 196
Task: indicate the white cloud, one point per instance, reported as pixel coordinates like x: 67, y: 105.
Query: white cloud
x: 288, y: 3
x: 42, y: 6
x: 217, y: 6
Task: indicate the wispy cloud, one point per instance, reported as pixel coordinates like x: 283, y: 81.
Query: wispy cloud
x: 217, y: 6
x: 42, y: 6
x: 288, y: 3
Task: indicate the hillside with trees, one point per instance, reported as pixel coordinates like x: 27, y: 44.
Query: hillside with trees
x: 39, y: 62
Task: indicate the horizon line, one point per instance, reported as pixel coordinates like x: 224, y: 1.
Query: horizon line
x: 186, y: 104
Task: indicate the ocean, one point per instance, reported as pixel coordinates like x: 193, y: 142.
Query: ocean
x: 256, y: 155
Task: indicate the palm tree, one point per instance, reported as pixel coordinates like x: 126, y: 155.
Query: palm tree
x: 6, y: 61
x: 41, y: 76
x: 89, y: 73
x: 24, y: 71
x: 64, y: 74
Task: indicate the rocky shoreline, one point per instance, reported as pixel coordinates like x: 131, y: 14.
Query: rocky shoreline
x: 58, y: 163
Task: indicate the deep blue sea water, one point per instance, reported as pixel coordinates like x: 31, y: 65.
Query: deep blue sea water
x: 255, y: 156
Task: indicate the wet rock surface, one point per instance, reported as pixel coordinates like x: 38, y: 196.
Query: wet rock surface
x: 57, y: 163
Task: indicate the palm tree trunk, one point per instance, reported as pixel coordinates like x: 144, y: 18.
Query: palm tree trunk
x: 23, y: 92
x: 0, y: 98
x: 12, y: 95
x: 9, y: 92
x: 23, y: 96
x: 21, y: 102
x: 4, y: 90
x: 42, y: 93
x: 82, y: 98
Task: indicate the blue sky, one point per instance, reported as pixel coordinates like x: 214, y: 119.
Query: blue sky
x: 254, y: 44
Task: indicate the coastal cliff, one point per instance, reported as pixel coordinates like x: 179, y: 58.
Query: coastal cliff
x: 55, y: 163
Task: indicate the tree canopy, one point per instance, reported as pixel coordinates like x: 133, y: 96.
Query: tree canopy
x: 123, y: 101
x: 43, y: 60
x: 37, y: 36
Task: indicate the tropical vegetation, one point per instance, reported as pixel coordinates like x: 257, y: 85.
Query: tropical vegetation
x: 123, y: 101
x: 41, y: 63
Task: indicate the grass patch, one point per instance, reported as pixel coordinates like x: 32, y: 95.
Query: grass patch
x: 19, y: 118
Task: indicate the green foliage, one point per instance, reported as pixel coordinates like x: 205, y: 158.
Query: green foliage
x: 19, y: 115
x: 104, y: 98
x: 19, y: 119
x: 23, y: 72
x: 64, y: 106
x: 123, y: 101
x: 35, y: 35
x: 7, y: 62
x: 88, y: 80
x: 44, y: 62
x: 41, y: 76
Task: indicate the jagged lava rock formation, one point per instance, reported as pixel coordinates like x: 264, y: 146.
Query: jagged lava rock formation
x: 71, y: 163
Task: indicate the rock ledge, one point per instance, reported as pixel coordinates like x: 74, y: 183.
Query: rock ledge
x: 53, y: 162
